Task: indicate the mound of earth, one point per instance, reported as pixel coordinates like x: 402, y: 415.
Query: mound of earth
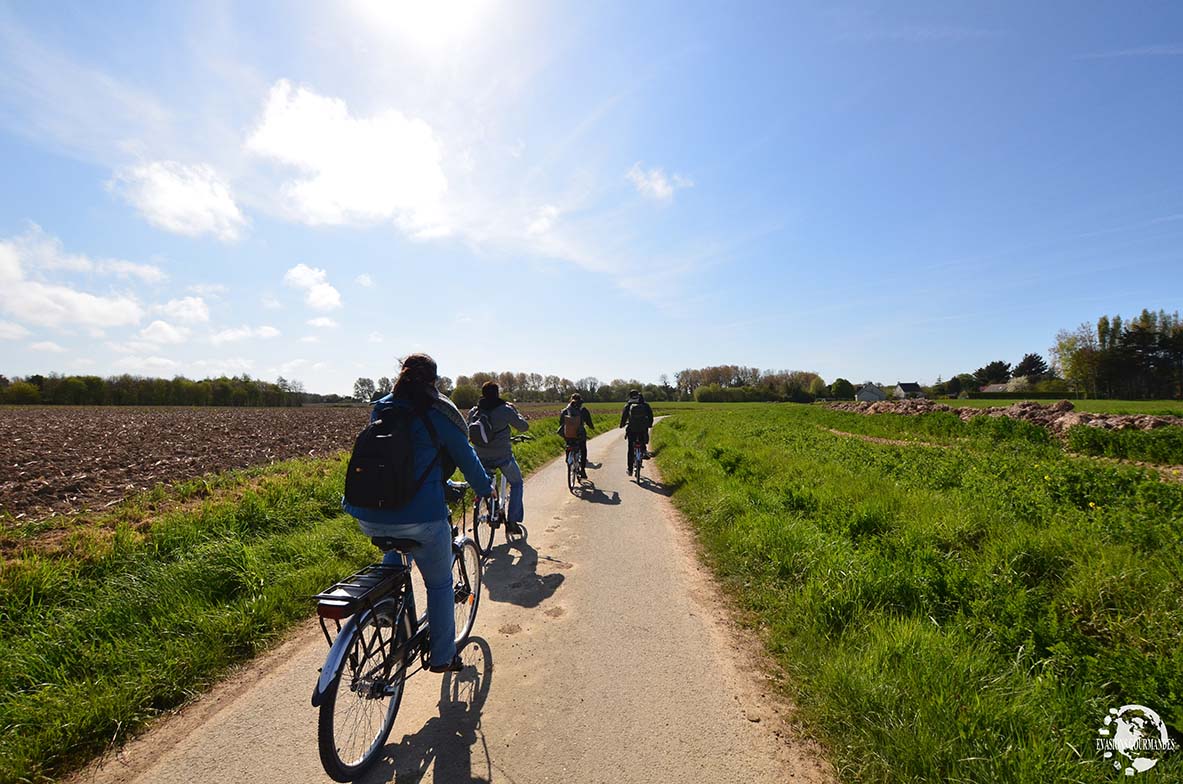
x: 1057, y: 417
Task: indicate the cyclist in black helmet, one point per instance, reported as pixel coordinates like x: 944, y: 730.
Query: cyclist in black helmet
x: 636, y: 419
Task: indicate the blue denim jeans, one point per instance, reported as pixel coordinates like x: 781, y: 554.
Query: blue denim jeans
x: 433, y: 557
x: 513, y: 475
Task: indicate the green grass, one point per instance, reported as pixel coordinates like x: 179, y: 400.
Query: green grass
x: 1164, y: 445
x: 134, y: 616
x: 959, y: 613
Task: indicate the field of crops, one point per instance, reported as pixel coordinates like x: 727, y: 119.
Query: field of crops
x: 963, y: 609
x: 1151, y: 407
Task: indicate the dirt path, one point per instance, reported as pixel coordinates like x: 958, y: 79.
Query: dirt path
x: 602, y: 654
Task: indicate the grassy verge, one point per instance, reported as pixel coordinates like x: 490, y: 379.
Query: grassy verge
x: 945, y: 614
x: 1164, y: 445
x: 130, y: 618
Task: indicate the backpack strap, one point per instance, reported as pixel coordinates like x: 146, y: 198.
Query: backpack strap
x: 435, y: 442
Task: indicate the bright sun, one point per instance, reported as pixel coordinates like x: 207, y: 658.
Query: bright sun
x: 425, y: 24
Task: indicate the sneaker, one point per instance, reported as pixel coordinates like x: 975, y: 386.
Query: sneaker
x: 456, y: 665
x: 583, y: 474
x: 513, y: 529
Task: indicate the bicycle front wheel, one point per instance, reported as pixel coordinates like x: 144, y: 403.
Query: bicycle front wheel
x: 483, y: 522
x: 466, y: 583
x: 359, y: 709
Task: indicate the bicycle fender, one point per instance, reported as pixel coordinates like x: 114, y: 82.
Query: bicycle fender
x: 333, y: 662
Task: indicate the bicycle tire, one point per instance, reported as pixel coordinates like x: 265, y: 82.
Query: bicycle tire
x: 359, y: 705
x: 466, y: 585
x: 637, y: 465
x: 483, y: 530
x: 572, y: 473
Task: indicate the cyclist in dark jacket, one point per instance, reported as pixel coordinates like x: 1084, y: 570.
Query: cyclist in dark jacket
x: 577, y: 412
x: 499, y: 452
x: 425, y: 517
x: 636, y: 418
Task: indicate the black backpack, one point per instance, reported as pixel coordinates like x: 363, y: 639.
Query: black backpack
x: 381, y: 473
x: 637, y: 419
x: 480, y: 427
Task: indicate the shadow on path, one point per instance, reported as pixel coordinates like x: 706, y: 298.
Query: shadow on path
x: 447, y: 743
x: 589, y: 492
x: 515, y: 578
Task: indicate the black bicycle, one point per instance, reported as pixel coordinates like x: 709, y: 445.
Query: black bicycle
x: 639, y: 453
x: 383, y: 636
x: 575, y: 467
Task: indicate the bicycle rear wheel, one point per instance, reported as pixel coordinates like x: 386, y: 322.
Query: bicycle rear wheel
x: 484, y: 521
x: 466, y: 582
x: 637, y: 464
x: 359, y: 708
x: 572, y: 472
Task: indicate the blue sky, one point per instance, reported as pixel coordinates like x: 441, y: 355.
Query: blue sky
x: 867, y: 190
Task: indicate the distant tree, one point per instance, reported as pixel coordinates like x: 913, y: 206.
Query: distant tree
x: 818, y: 388
x: 466, y: 396
x: 363, y: 389
x: 384, y: 385
x: 997, y: 372
x: 22, y: 392
x: 444, y: 385
x: 4, y: 382
x: 842, y: 389
x: 953, y: 386
x: 1032, y: 366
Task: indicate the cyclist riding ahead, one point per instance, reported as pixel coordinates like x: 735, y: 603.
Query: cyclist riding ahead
x: 636, y: 418
x: 489, y: 423
x: 439, y: 441
x: 573, y: 424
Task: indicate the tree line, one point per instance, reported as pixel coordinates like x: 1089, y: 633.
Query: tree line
x: 129, y: 390
x: 527, y: 388
x: 1138, y: 358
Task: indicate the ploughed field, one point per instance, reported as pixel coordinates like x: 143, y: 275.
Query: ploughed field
x: 59, y: 460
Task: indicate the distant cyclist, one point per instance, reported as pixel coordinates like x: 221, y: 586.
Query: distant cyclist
x: 573, y: 424
x: 636, y: 419
x: 495, y: 450
x: 439, y: 443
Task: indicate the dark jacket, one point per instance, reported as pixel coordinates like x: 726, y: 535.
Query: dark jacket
x: 645, y: 410
x: 577, y: 410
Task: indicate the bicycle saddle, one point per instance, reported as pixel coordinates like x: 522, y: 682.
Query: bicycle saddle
x: 388, y: 543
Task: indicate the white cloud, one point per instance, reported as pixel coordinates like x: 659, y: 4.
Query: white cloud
x: 50, y: 304
x: 133, y: 347
x: 12, y: 331
x: 310, y: 339
x: 270, y: 303
x: 323, y: 322
x: 163, y: 332
x: 228, y: 366
x: 242, y: 333
x: 542, y: 221
x: 654, y: 184
x: 214, y: 290
x: 364, y: 280
x: 318, y: 293
x: 147, y: 365
x: 188, y: 200
x: 47, y: 345
x: 190, y: 310
x: 375, y: 337
x: 148, y: 273
x: 353, y: 169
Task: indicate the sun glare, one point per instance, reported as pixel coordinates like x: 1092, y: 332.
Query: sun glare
x: 426, y: 25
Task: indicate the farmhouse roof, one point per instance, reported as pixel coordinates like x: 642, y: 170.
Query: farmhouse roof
x: 909, y: 386
x: 993, y: 388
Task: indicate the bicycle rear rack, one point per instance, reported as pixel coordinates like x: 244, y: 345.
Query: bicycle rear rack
x: 347, y: 597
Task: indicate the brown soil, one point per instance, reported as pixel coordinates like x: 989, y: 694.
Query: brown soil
x: 59, y: 460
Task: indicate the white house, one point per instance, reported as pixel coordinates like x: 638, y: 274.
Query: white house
x: 907, y: 389
x: 870, y: 393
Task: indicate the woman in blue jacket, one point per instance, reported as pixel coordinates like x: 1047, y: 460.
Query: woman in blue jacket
x: 425, y: 518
